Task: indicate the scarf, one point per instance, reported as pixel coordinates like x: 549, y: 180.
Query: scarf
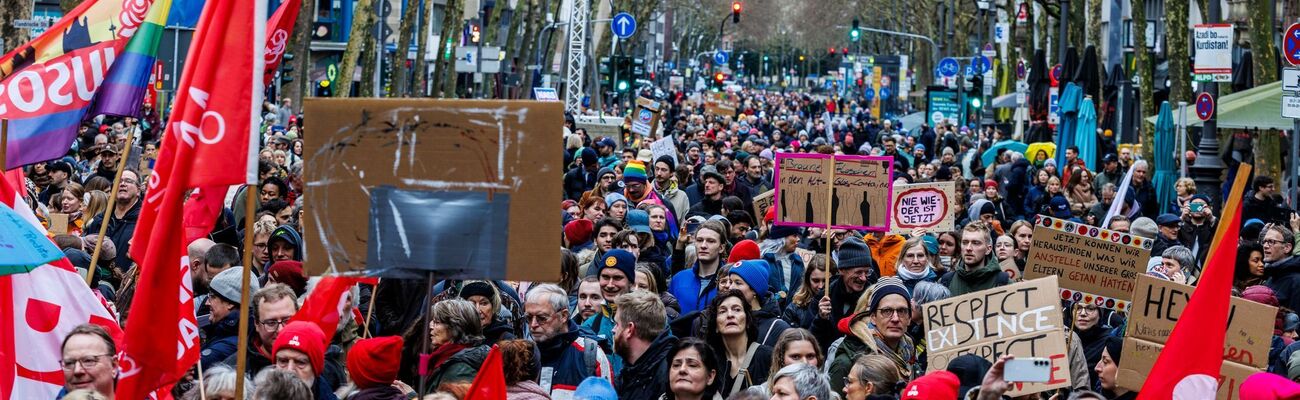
x: 974, y: 280
x: 904, y: 358
x: 907, y: 275
x: 434, y: 360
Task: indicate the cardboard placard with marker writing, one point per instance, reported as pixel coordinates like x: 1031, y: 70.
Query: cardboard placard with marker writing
x: 409, y: 187
x: 1023, y: 319
x: 931, y: 206
x: 858, y: 200
x: 762, y: 202
x: 1157, y: 305
x: 1096, y: 265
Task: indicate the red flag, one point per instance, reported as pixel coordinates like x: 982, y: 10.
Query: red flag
x: 37, y: 309
x: 1187, y: 368
x: 490, y: 383
x: 277, y: 38
x: 201, y: 210
x: 324, y: 306
x: 206, y: 144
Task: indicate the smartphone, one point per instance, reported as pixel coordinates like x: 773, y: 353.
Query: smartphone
x: 1029, y: 369
x: 1195, y: 207
x: 691, y: 227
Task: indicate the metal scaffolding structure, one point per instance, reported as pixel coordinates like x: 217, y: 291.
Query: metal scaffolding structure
x: 579, y: 13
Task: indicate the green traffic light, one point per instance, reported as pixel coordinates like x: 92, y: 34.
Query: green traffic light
x: 622, y: 86
x: 854, y: 34
x: 976, y: 102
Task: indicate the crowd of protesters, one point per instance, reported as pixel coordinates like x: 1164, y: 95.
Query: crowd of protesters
x: 673, y: 285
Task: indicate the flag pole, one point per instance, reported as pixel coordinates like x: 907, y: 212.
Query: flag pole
x: 108, y: 211
x: 250, y: 179
x: 241, y: 358
x: 365, y: 325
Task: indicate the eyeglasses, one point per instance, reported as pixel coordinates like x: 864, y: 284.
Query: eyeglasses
x: 891, y: 312
x: 273, y: 323
x: 540, y: 318
x: 87, y: 362
x: 1271, y: 242
x: 1088, y: 309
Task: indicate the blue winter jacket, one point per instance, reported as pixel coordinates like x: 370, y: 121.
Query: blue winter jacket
x: 692, y: 292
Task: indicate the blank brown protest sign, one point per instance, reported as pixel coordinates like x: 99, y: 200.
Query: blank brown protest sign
x: 1023, y: 319
x: 491, y: 147
x: 1087, y: 258
x: 1157, y: 305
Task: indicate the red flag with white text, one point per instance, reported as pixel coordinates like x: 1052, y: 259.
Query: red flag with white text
x: 325, y: 305
x: 37, y: 309
x: 206, y: 144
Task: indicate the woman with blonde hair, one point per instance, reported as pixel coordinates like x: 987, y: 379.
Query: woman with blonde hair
x: 1184, y: 189
x: 917, y: 261
x: 93, y: 204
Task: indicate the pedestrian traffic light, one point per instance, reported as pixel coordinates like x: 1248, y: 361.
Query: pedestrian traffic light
x: 323, y: 89
x: 474, y: 33
x: 977, y: 85
x: 735, y: 12
x: 830, y: 51
x: 855, y: 33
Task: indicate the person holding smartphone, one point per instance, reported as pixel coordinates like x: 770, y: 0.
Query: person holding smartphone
x: 1198, y: 227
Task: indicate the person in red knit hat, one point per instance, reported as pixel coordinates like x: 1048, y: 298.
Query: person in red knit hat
x: 289, y: 273
x: 300, y: 349
x: 933, y: 386
x: 373, y: 365
x: 745, y: 250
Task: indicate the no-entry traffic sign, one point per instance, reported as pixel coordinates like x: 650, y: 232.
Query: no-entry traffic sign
x: 1204, y: 106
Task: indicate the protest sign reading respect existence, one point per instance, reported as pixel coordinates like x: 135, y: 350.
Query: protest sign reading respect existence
x: 1023, y: 319
x: 1095, y: 265
x: 1157, y: 305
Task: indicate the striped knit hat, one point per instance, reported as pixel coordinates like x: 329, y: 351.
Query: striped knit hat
x: 634, y: 172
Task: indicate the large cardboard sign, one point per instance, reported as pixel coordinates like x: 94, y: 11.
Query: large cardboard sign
x: 931, y: 206
x: 1095, y: 265
x: 721, y: 104
x: 859, y: 198
x: 1157, y: 305
x: 646, y: 117
x: 1023, y: 319
x: 762, y: 202
x: 664, y: 147
x: 426, y: 185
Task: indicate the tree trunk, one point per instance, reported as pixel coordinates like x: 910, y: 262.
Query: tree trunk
x: 397, y: 70
x: 1094, y: 25
x: 302, y: 54
x: 364, y: 18
x: 418, y: 84
x: 529, y: 46
x: 12, y: 10
x: 367, y: 60
x: 1045, y: 31
x: 1146, y: 84
x: 1179, y: 70
x: 444, y: 73
x: 1268, y: 144
x: 1078, y: 24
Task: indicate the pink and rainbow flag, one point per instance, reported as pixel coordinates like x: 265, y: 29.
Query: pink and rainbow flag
x: 47, y: 85
x: 128, y: 80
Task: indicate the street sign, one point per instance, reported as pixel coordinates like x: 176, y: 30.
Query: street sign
x: 1204, y: 106
x: 31, y: 23
x: 1020, y: 69
x: 980, y: 64
x: 545, y: 94
x: 1000, y: 32
x: 1291, y: 44
x: 1056, y: 74
x: 1290, y: 106
x: 623, y: 25
x: 948, y: 67
x: 1291, y: 79
x: 1053, y: 106
x: 1022, y: 86
x: 1213, y: 62
x: 720, y: 57
x: 988, y: 51
x: 467, y: 59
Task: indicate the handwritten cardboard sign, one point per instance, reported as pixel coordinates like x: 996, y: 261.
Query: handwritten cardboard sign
x: 58, y: 223
x: 1157, y: 305
x: 931, y: 206
x: 721, y: 104
x: 762, y: 202
x: 1090, y: 261
x: 1023, y: 319
x: 664, y: 147
x: 386, y: 176
x: 859, y: 198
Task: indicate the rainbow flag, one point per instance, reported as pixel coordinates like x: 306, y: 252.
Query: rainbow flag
x: 47, y: 85
x: 128, y: 80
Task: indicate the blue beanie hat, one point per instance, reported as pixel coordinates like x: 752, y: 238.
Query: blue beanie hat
x: 619, y: 259
x: 931, y: 244
x: 754, y: 273
x: 612, y: 198
x: 595, y: 388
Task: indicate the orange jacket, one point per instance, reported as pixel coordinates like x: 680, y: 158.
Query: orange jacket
x: 886, y: 251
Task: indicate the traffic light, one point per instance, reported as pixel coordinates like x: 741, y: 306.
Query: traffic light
x: 718, y: 78
x: 977, y: 86
x: 474, y: 33
x: 606, y: 70
x: 735, y: 12
x: 323, y: 89
x: 859, y: 82
x: 855, y: 33
x: 844, y: 51
x: 623, y: 74
x: 286, y: 68
x: 830, y: 51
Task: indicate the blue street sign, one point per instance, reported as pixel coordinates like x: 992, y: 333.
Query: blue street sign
x: 948, y: 67
x: 719, y: 57
x: 1291, y: 44
x: 970, y: 69
x: 980, y: 64
x: 869, y: 93
x: 884, y: 92
x: 623, y: 25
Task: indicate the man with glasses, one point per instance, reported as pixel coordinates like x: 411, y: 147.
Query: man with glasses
x: 221, y: 334
x: 1281, y: 268
x: 272, y: 306
x: 976, y: 270
x: 89, y: 361
x: 300, y: 349
x: 567, y: 358
x: 121, y: 224
x: 879, y: 328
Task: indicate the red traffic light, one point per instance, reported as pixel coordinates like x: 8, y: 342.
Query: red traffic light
x: 735, y: 6
x: 844, y: 51
x: 719, y: 77
x: 830, y: 51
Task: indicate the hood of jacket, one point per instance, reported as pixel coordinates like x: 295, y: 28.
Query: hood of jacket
x: 290, y: 235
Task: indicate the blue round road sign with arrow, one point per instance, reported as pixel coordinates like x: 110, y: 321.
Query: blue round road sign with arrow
x: 1291, y: 44
x: 1204, y: 106
x: 623, y: 25
x: 948, y: 67
x: 980, y: 64
x: 719, y: 57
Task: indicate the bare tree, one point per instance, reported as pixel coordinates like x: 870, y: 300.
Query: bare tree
x: 364, y: 17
